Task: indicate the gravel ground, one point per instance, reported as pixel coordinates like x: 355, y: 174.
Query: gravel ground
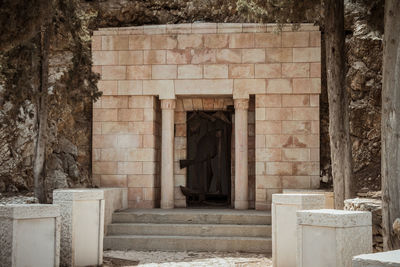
x: 180, y: 259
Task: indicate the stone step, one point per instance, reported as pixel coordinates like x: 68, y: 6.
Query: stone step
x: 193, y: 216
x: 188, y: 243
x: 189, y: 229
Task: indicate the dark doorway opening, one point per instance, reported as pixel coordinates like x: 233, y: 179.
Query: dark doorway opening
x: 208, y: 160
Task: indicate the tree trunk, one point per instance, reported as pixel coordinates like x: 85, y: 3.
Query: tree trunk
x: 338, y: 102
x: 391, y: 125
x: 39, y: 162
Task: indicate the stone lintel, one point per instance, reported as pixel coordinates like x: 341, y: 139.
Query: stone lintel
x: 206, y: 28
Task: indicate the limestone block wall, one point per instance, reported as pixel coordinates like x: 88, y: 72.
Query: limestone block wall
x: 126, y: 147
x: 287, y: 144
x: 280, y: 70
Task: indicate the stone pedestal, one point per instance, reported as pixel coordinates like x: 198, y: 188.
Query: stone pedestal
x: 284, y: 226
x: 82, y: 226
x: 167, y: 153
x: 29, y: 235
x: 383, y: 259
x: 241, y: 154
x: 331, y: 238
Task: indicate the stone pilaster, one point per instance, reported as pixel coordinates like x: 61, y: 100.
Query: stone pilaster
x: 241, y: 154
x: 167, y: 153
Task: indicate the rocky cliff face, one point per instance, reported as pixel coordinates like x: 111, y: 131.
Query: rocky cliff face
x: 72, y: 85
x: 364, y: 28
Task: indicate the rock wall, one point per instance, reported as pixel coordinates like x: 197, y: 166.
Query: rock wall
x: 72, y: 84
x: 364, y: 29
x: 71, y: 88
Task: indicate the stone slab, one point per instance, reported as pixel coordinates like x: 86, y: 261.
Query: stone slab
x: 193, y: 216
x: 243, y: 230
x: 334, y: 218
x: 28, y: 211
x: 382, y: 259
x: 188, y: 243
x: 77, y: 194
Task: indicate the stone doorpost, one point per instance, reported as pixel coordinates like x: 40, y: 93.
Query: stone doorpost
x: 241, y: 154
x: 167, y: 153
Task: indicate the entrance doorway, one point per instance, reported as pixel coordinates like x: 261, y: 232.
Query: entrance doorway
x: 208, y: 160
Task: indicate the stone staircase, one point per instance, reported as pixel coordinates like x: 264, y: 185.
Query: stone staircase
x: 190, y: 230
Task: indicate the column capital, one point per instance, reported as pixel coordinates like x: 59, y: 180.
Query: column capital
x: 168, y: 103
x: 241, y: 103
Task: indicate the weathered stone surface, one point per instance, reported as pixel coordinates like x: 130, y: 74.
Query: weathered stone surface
x: 375, y: 207
x: 81, y: 240
x: 40, y: 247
x: 191, y: 230
x: 383, y: 259
x: 334, y: 218
x: 284, y: 226
x: 332, y: 237
x: 364, y: 27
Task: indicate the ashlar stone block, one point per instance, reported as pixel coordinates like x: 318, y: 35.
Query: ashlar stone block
x: 331, y: 238
x: 329, y: 196
x: 29, y: 235
x: 82, y: 226
x: 284, y: 227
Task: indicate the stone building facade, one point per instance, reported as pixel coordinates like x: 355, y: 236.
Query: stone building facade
x: 152, y: 76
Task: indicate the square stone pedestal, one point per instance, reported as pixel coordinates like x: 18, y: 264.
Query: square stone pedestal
x: 383, y: 259
x: 284, y: 227
x: 331, y: 238
x: 29, y: 235
x: 82, y: 230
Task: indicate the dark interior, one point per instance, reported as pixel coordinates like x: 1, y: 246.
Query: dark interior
x: 208, y: 159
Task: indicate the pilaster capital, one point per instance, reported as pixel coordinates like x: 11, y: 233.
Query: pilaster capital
x: 168, y: 104
x: 241, y: 103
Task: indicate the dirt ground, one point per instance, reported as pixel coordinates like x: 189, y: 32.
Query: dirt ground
x: 181, y: 259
